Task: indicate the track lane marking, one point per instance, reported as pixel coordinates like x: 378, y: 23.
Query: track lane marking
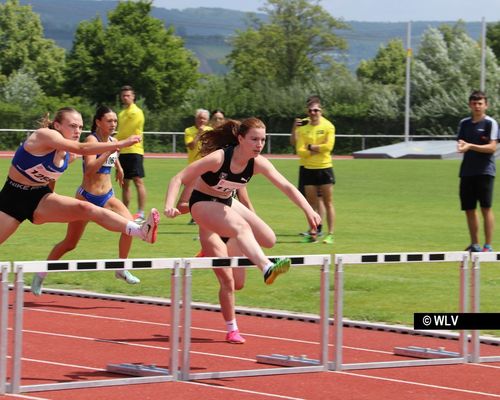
x: 427, y: 385
x: 204, y: 329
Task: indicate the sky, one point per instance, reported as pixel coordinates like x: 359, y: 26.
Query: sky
x: 372, y: 10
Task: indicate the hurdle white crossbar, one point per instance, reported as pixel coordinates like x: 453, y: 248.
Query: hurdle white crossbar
x: 322, y: 260
x: 94, y: 265
x: 4, y: 310
x: 476, y: 300
x: 174, y: 264
x: 395, y: 258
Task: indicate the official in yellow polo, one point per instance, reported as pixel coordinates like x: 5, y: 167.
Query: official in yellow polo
x: 315, y: 142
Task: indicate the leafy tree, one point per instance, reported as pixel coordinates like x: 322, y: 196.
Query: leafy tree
x: 22, y: 88
x: 446, y: 70
x: 134, y: 49
x: 388, y: 67
x: 293, y: 46
x: 24, y: 47
x: 493, y: 38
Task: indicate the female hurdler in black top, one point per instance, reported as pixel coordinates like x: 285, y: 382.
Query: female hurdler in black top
x: 224, y: 170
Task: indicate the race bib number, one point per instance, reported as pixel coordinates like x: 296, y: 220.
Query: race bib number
x: 228, y: 186
x: 110, y: 162
x: 42, y: 175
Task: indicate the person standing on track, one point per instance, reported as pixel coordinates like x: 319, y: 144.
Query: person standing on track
x: 293, y: 141
x: 232, y: 158
x: 477, y: 139
x: 131, y: 122
x: 39, y: 161
x: 314, y: 145
x: 97, y: 188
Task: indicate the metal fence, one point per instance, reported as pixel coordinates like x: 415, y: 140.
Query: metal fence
x: 173, y: 142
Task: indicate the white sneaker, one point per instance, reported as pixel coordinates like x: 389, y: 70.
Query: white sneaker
x: 127, y: 277
x: 150, y: 227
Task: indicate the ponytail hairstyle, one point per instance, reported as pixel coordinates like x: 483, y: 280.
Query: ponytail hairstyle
x: 227, y: 134
x: 45, y: 122
x: 99, y: 113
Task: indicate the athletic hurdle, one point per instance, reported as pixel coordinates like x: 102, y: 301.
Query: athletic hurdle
x: 4, y: 313
x: 475, y: 300
x: 95, y: 265
x: 323, y: 261
x: 396, y: 258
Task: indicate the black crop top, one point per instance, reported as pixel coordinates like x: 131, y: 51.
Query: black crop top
x: 224, y: 180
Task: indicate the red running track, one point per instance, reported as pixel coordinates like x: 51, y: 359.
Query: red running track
x: 73, y: 339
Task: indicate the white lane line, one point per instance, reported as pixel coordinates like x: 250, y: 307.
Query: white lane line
x: 203, y: 329
x: 60, y: 364
x: 426, y: 385
x: 23, y: 396
x: 147, y: 346
x: 486, y: 365
x: 244, y: 391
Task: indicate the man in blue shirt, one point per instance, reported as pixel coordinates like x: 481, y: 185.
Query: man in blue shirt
x: 477, y: 140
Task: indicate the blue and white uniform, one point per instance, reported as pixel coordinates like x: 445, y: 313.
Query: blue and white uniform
x: 109, y: 163
x: 102, y: 199
x: 19, y: 200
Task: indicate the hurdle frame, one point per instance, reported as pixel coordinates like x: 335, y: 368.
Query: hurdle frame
x: 322, y: 260
x: 475, y: 302
x: 21, y: 267
x: 396, y: 258
x: 4, y: 313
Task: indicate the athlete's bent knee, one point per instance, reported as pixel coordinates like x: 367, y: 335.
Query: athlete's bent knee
x: 87, y: 209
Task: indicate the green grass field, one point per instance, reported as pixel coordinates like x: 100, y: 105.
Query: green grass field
x: 381, y: 206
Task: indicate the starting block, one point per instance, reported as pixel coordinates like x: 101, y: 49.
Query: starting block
x: 136, y: 369
x: 286, y: 361
x: 424, y: 352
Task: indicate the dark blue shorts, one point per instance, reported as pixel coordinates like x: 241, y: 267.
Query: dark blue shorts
x: 474, y: 189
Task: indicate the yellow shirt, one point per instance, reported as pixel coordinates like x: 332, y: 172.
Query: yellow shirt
x: 323, y: 135
x: 190, y: 134
x: 131, y: 122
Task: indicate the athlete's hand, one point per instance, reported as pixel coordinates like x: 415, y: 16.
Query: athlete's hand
x: 314, y: 220
x: 171, y: 212
x: 120, y: 177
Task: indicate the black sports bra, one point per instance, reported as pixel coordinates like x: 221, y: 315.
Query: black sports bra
x: 224, y: 180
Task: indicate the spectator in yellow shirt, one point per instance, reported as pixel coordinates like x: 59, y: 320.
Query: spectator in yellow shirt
x: 315, y: 141
x: 131, y: 122
x: 192, y: 134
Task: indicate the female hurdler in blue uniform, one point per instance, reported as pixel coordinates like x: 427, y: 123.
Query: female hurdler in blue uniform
x: 222, y: 171
x: 39, y: 162
x: 97, y: 188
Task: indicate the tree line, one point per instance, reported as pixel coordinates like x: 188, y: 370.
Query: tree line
x: 273, y: 66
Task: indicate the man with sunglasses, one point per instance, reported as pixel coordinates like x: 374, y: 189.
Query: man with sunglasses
x: 314, y: 144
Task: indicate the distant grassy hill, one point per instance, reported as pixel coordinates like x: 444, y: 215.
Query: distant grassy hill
x: 206, y: 30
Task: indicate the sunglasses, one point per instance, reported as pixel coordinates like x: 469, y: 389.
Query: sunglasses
x: 314, y: 110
